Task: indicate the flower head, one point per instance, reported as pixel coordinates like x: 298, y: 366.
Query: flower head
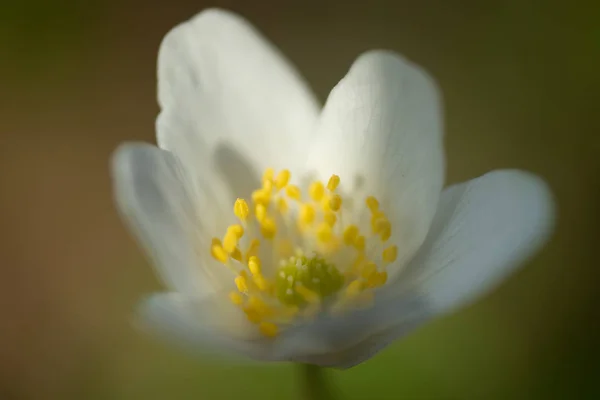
x: 287, y: 232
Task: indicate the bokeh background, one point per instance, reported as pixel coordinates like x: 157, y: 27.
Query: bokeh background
x: 520, y: 81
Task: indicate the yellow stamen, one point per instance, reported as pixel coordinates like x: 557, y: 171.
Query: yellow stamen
x: 390, y: 254
x: 241, y: 210
x: 268, y: 329
x: 241, y: 283
x: 307, y: 214
x: 350, y: 234
x: 282, y: 179
x: 254, y: 265
x: 236, y: 298
x: 316, y: 191
x: 330, y: 218
x: 324, y: 233
x: 359, y: 243
x: 236, y: 254
x: 333, y: 183
x: 218, y: 253
x: 293, y: 192
x: 268, y: 228
x: 335, y: 202
x: 372, y: 204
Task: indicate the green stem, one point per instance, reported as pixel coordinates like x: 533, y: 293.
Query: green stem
x: 314, y: 385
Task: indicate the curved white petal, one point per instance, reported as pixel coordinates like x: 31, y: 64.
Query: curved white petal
x: 381, y: 131
x: 210, y: 324
x: 151, y: 193
x: 230, y: 100
x: 483, y: 230
x: 206, y: 324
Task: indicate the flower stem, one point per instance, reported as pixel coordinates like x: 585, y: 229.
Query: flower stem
x: 314, y: 385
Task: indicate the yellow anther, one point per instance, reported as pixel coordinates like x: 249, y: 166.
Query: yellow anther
x: 390, y: 254
x: 257, y: 304
x: 359, y: 243
x: 350, y: 234
x: 333, y: 183
x: 268, y: 228
x: 268, y: 175
x: 236, y: 254
x: 260, y: 211
x: 282, y: 205
x: 237, y: 230
x: 316, y: 191
x: 252, y: 315
x: 324, y: 233
x: 241, y: 210
x: 252, y: 249
x: 236, y: 298
x: 386, y: 232
x: 377, y: 279
x: 261, y: 282
x: 254, y: 265
x: 293, y: 192
x: 268, y: 329
x: 241, y: 283
x: 335, y: 202
x: 267, y: 186
x: 357, y: 265
x: 381, y: 225
x: 377, y: 219
x: 218, y: 253
x: 230, y: 242
x: 282, y: 179
x: 372, y: 204
x: 369, y: 270
x: 354, y: 288
x: 325, y: 203
x: 307, y: 214
x: 308, y: 295
x: 330, y: 218
x: 261, y: 196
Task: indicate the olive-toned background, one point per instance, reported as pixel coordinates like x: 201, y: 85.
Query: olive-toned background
x: 520, y: 81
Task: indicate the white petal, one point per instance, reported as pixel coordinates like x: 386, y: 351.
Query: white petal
x: 202, y: 325
x: 150, y: 190
x: 483, y: 230
x: 381, y: 130
x: 230, y: 100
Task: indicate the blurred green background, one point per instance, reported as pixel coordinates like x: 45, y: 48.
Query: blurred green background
x: 520, y: 81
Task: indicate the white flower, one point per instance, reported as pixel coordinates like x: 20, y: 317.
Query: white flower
x: 337, y: 275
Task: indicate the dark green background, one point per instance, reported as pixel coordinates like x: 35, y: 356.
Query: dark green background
x: 520, y: 81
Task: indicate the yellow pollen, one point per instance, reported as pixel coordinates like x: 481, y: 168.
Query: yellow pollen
x: 333, y: 183
x: 241, y: 210
x: 354, y: 288
x: 267, y: 186
x: 238, y: 230
x: 268, y: 329
x: 268, y: 228
x: 282, y: 179
x: 254, y: 265
x: 261, y: 282
x: 369, y: 270
x: 293, y: 192
x: 316, y: 191
x: 335, y: 202
x: 389, y: 254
